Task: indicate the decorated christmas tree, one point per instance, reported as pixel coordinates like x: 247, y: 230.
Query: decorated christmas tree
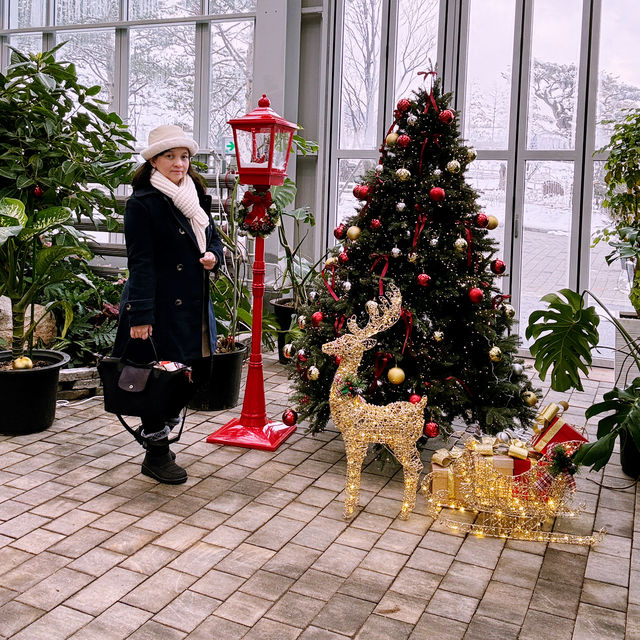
x: 420, y: 227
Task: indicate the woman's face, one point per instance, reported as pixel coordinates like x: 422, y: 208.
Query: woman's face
x: 172, y: 164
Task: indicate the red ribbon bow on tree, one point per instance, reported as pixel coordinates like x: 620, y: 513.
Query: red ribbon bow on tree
x: 432, y: 100
x: 330, y: 287
x: 379, y: 258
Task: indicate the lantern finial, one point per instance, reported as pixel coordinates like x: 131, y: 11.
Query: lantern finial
x: 264, y: 101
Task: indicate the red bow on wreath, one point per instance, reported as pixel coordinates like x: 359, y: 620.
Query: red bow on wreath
x: 259, y: 203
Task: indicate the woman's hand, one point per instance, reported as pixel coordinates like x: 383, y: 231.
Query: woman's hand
x: 208, y: 260
x: 142, y: 331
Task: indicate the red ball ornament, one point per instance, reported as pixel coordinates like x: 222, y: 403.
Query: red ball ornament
x: 38, y: 191
x: 437, y: 194
x: 446, y: 116
x: 337, y: 360
x: 404, y: 140
x: 431, y: 430
x: 414, y: 398
x: 482, y: 220
x: 289, y: 417
x: 317, y: 318
x: 339, y: 232
x: 403, y: 105
x: 476, y: 295
x: 361, y: 191
x: 498, y: 266
x: 375, y: 224
x: 343, y: 257
x: 424, y: 279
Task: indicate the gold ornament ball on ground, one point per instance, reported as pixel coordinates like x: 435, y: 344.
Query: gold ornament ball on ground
x: 530, y: 398
x: 395, y: 375
x: 493, y: 222
x: 23, y: 362
x: 353, y: 232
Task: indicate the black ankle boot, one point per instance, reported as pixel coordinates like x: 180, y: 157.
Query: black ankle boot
x: 159, y: 464
x: 139, y: 432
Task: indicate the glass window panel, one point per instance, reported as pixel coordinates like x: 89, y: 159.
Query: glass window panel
x: 619, y: 76
x: 553, y: 82
x: 489, y: 179
x: 161, y: 79
x: 489, y: 60
x: 610, y: 283
x: 231, y: 75
x: 93, y: 53
x: 232, y: 6
x: 546, y: 235
x: 150, y: 9
x: 253, y: 147
x: 360, y: 75
x: 26, y: 13
x: 416, y: 43
x: 86, y: 11
x: 27, y: 42
x: 349, y: 171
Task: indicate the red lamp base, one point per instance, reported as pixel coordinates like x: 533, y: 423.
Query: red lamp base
x: 267, y: 438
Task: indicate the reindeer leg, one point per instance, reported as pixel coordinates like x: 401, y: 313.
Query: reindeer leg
x: 411, y: 467
x: 356, y: 451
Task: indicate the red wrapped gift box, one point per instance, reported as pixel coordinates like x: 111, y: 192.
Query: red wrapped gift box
x: 557, y: 431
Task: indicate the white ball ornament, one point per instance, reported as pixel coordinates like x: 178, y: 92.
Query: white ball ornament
x: 403, y: 174
x: 395, y: 252
x: 313, y: 296
x: 437, y: 173
x: 379, y: 168
x: 346, y: 285
x: 434, y: 241
x: 438, y: 336
x: 313, y: 373
x: 287, y: 351
x: 412, y: 119
x: 302, y: 322
x: 461, y: 245
x: 518, y: 369
x: 400, y: 206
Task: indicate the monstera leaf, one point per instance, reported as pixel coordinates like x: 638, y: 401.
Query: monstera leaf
x: 12, y: 218
x: 564, y: 335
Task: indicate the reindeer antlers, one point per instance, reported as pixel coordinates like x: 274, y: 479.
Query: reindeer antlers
x: 381, y: 316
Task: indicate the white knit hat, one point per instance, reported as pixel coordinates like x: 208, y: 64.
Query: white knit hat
x: 165, y: 137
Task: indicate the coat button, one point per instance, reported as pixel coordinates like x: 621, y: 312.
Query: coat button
x: 178, y: 302
x: 128, y: 306
x: 179, y: 267
x: 181, y: 232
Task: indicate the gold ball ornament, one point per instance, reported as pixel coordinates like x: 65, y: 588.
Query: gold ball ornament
x: 493, y: 222
x: 453, y: 166
x: 313, y: 373
x: 495, y: 354
x: 472, y: 154
x: 330, y: 261
x: 395, y: 375
x: 23, y: 362
x: 412, y: 257
x: 461, y: 245
x: 509, y: 311
x: 391, y: 139
x: 438, y: 336
x: 530, y: 398
x: 353, y: 232
x: 403, y: 174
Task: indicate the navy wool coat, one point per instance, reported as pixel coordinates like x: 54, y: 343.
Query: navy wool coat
x: 167, y: 287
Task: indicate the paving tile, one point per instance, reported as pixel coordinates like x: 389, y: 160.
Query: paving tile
x: 243, y: 608
x: 158, y: 521
x: 57, y: 624
x: 452, y: 605
x: 483, y: 552
x: 431, y: 561
x: 381, y: 628
x: 187, y: 611
x: 556, y: 598
x: 55, y: 589
x: 292, y: 560
x: 316, y: 633
x: 72, y: 521
x: 10, y: 558
x: 37, y: 541
x: 619, y: 523
x: 400, y: 606
x: 276, y: 497
x: 225, y: 536
x: 198, y: 559
x: 398, y: 541
x: 320, y: 533
x: 30, y: 572
x: 633, y: 622
x: 80, y: 542
x: 245, y: 560
x: 115, y: 521
x: 537, y: 620
x: 339, y: 560
x: 217, y: 584
x: 344, y: 614
x: 481, y: 628
x: 433, y: 627
x: 269, y: 586
x: 97, y: 561
x: 229, y: 502
x: 563, y: 566
x: 603, y: 594
x: 129, y: 540
x: 606, y: 568
x: 295, y: 609
x: 16, y: 616
x: 153, y: 630
x: 158, y: 590
x: 252, y: 517
x: 597, y: 623
x: 271, y: 630
x: 466, y: 579
x: 22, y: 524
x: 149, y: 559
x: 276, y: 533
x: 317, y: 584
x: 372, y: 522
x: 116, y: 623
x: 518, y: 568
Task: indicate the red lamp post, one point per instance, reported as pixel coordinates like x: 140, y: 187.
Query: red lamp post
x: 263, y: 142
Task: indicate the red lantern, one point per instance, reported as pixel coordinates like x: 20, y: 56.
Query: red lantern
x: 343, y: 257
x: 404, y: 105
x: 317, y: 318
x: 498, y: 266
x: 340, y: 231
x: 476, y: 295
x: 446, y: 116
x: 263, y: 142
x: 437, y: 194
x: 424, y: 279
x: 482, y: 220
x: 375, y: 224
x: 404, y: 140
x: 289, y: 417
x: 361, y: 191
x: 431, y: 430
x: 414, y: 398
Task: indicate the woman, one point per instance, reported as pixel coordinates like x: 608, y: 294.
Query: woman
x: 172, y: 245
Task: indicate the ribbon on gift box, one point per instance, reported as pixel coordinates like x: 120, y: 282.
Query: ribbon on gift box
x: 444, y: 457
x: 517, y: 449
x: 442, y: 482
x: 548, y: 414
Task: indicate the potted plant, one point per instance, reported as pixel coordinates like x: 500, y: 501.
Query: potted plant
x: 565, y: 334
x: 622, y: 199
x: 62, y: 154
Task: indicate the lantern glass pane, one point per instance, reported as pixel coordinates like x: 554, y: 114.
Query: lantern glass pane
x: 253, y: 147
x: 280, y: 146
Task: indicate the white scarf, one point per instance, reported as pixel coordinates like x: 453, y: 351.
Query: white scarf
x: 185, y: 197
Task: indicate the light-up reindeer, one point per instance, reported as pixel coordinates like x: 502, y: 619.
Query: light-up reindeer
x: 397, y: 425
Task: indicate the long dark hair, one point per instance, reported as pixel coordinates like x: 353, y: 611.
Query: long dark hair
x: 142, y: 176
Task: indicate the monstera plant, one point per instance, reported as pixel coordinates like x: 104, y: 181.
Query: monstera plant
x: 61, y: 155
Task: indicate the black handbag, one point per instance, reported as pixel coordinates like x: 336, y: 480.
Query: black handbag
x: 145, y: 390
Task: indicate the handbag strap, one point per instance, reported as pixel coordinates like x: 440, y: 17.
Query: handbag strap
x: 137, y: 433
x: 153, y: 346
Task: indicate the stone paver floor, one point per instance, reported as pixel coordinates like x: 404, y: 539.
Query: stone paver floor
x: 254, y: 545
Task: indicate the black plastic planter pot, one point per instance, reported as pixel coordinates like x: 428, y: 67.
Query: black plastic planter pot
x: 223, y: 388
x: 28, y: 396
x: 629, y: 456
x: 284, y: 311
